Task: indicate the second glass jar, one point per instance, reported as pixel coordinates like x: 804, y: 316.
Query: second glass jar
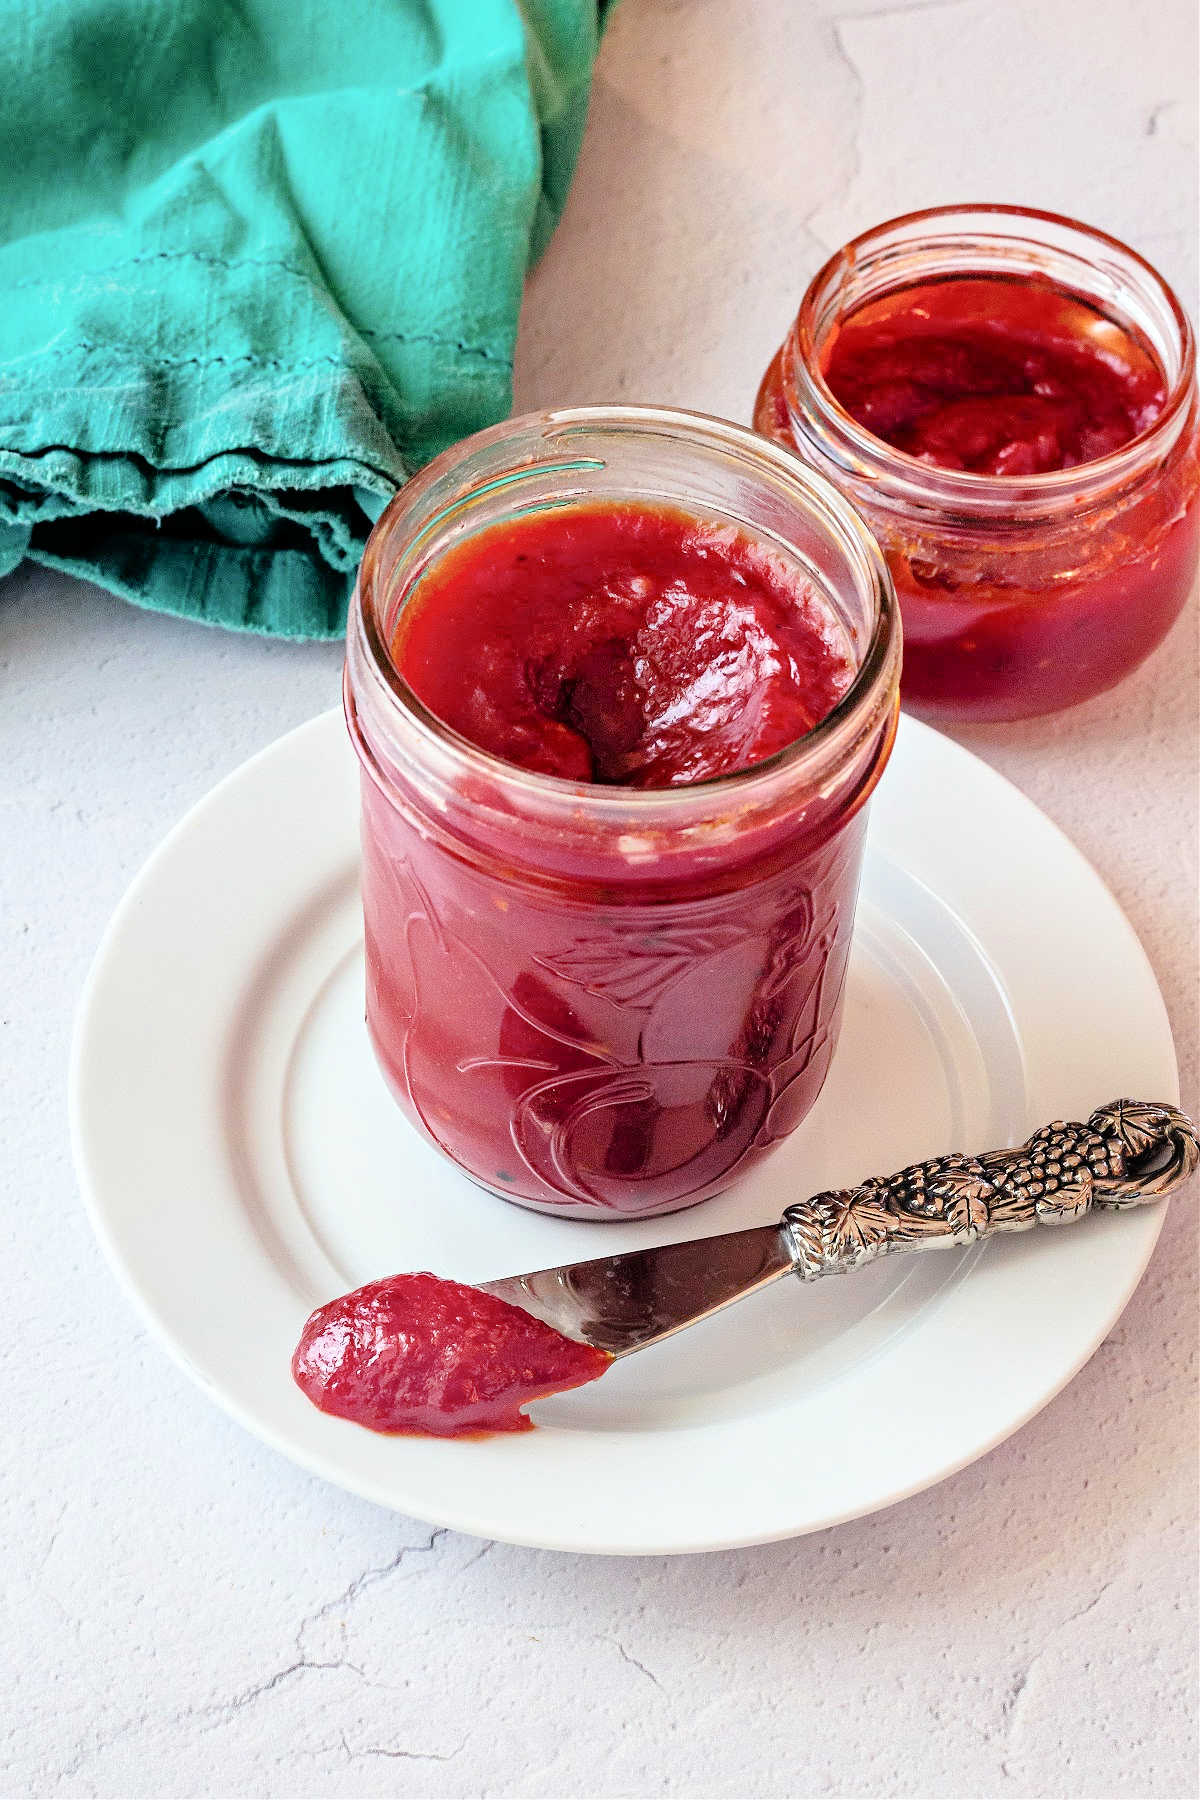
x: 1024, y: 594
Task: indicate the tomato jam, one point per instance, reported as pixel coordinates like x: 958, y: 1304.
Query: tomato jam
x: 630, y: 645
x: 617, y: 747
x: 1024, y: 448
x: 419, y: 1354
x: 999, y: 377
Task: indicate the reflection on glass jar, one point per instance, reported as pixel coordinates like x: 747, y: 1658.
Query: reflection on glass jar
x: 605, y: 1000
x: 1040, y: 547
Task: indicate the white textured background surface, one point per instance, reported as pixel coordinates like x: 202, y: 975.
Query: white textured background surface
x: 187, y: 1614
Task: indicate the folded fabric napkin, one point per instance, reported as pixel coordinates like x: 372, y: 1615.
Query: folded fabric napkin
x: 259, y: 262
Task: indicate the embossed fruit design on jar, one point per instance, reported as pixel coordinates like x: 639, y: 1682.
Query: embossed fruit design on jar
x: 621, y: 682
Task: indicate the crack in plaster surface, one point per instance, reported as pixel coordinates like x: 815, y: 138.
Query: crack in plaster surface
x: 835, y: 37
x: 1011, y: 1709
x: 399, y: 1755
x: 633, y: 1661
x: 214, y: 1713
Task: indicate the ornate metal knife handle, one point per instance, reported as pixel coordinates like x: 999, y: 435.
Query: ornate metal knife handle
x: 1128, y: 1152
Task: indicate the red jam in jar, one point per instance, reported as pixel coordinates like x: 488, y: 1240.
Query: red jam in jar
x: 614, y: 798
x: 1009, y: 398
x: 997, y: 377
x: 418, y: 1354
x: 630, y: 645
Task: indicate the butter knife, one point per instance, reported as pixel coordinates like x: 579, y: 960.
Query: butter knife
x: 1127, y: 1153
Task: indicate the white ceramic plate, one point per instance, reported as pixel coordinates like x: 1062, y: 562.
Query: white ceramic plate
x: 243, y: 1162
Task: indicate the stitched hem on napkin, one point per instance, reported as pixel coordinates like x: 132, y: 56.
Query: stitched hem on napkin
x: 167, y: 479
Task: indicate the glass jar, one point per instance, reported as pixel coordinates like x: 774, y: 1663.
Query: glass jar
x: 598, y: 1000
x: 1020, y: 594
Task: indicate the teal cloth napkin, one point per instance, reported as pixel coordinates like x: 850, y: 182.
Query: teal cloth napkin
x: 259, y: 261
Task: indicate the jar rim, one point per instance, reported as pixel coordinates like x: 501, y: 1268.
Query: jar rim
x: 804, y: 380
x: 750, y: 786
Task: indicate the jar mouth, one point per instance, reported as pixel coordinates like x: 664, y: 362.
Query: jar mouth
x: 972, y: 240
x: 568, y: 435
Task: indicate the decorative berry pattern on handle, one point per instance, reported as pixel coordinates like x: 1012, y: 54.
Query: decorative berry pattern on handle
x: 1128, y: 1151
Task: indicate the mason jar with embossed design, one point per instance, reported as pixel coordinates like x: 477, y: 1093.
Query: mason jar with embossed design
x: 605, y: 1001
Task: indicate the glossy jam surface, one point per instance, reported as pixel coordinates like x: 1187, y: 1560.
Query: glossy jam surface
x: 996, y: 377
x: 628, y: 645
x: 1010, y: 616
x: 419, y: 1354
